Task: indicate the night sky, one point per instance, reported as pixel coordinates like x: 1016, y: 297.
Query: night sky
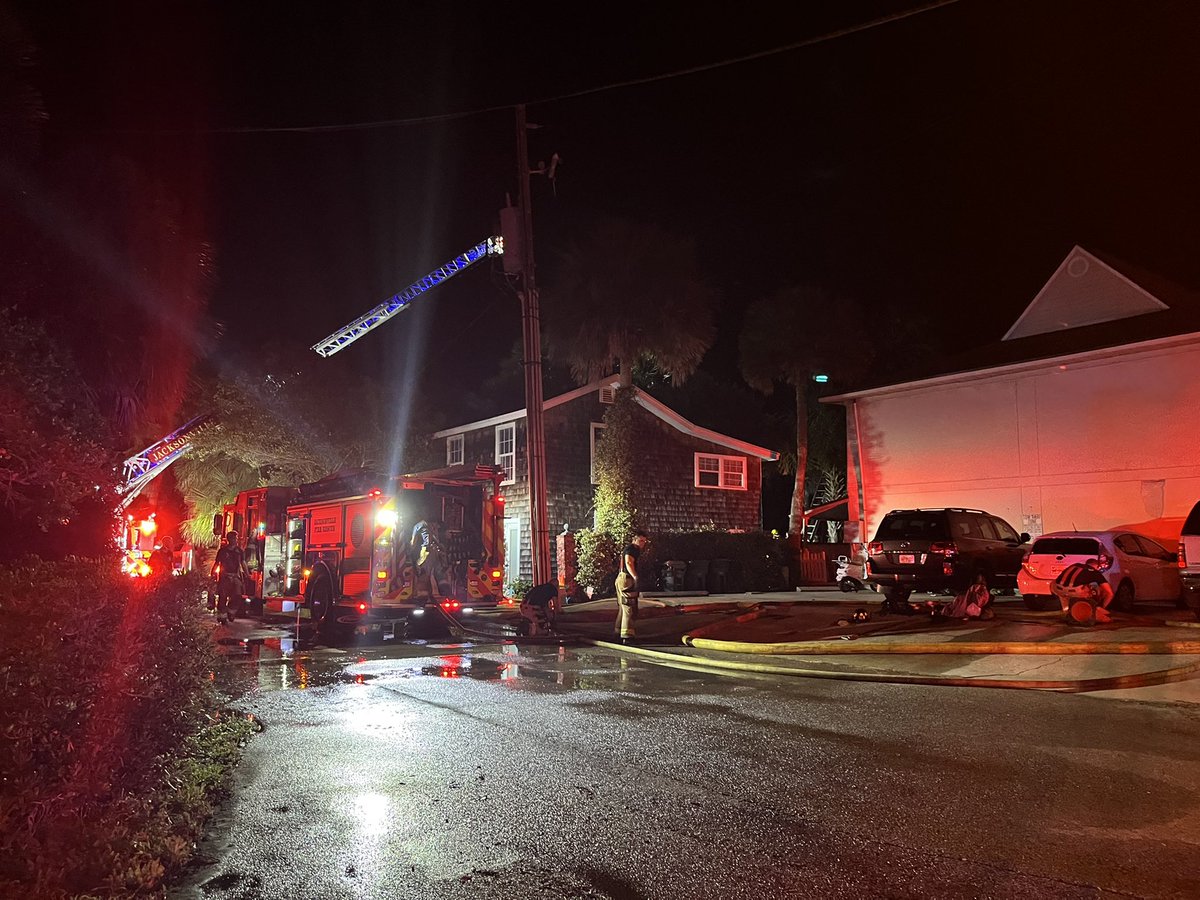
x: 936, y: 168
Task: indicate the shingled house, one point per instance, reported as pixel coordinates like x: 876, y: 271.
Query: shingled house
x: 693, y: 477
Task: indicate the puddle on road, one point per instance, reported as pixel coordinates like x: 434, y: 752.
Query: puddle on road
x: 265, y: 660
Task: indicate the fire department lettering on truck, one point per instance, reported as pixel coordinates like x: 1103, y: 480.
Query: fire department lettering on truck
x: 325, y: 527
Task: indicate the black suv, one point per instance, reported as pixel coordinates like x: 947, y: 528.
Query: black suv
x: 943, y: 549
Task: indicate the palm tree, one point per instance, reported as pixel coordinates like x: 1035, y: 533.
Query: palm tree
x: 629, y: 292
x: 791, y: 336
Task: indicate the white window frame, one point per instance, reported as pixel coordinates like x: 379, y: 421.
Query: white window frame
x: 596, y: 426
x: 722, y: 484
x: 454, y: 447
x: 507, y: 461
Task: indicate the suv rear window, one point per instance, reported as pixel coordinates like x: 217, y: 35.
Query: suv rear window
x: 913, y: 526
x: 1066, y: 546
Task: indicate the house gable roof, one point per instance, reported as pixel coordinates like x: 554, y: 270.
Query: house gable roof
x: 1084, y: 290
x: 643, y: 399
x: 1176, y: 319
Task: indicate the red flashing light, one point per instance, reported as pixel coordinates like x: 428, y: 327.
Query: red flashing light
x: 500, y: 500
x: 362, y: 607
x: 375, y: 493
x: 450, y: 605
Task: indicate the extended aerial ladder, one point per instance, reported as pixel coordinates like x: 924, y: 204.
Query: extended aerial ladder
x: 343, y: 337
x: 142, y: 468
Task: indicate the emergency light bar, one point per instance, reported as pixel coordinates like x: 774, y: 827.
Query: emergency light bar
x: 493, y: 246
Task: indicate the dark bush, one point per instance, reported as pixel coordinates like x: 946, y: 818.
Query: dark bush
x: 110, y: 745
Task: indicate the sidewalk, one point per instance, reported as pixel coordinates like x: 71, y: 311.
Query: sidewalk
x: 1122, y: 659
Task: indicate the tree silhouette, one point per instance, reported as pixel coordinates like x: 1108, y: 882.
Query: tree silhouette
x: 791, y: 336
x: 629, y: 292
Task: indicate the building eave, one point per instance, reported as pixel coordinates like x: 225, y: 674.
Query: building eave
x: 668, y: 415
x: 647, y: 402
x: 1019, y: 367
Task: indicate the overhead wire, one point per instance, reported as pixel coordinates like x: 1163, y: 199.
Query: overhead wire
x: 821, y: 38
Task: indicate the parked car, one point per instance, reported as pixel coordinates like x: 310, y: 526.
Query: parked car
x: 1136, y: 567
x: 1189, y: 559
x: 944, y: 549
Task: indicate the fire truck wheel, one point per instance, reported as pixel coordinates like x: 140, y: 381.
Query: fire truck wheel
x: 320, y: 601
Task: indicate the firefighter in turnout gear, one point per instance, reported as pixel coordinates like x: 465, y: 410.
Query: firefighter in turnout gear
x: 427, y: 556
x: 229, y: 571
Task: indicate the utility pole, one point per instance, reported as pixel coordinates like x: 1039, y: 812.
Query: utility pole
x: 535, y: 435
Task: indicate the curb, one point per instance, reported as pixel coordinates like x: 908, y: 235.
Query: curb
x: 1143, y: 679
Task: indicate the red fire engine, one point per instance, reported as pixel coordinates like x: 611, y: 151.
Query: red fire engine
x: 340, y: 550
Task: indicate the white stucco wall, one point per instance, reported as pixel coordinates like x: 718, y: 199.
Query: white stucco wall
x: 1087, y: 442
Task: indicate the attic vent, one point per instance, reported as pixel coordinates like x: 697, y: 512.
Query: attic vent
x: 606, y: 395
x: 1077, y: 267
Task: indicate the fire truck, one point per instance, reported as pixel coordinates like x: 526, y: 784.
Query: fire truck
x: 339, y: 551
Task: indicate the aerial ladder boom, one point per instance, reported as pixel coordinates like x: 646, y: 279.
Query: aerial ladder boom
x: 142, y: 468
x: 493, y: 246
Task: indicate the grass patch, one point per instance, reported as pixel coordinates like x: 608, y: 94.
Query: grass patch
x: 113, y: 747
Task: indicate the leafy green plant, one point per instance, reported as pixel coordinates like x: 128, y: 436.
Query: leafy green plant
x: 597, y: 558
x: 519, y: 587
x: 616, y: 465
x: 113, y: 750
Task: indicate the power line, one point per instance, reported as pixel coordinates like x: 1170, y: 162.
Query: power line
x: 613, y: 86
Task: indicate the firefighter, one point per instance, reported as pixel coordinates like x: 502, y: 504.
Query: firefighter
x: 229, y: 571
x: 1083, y: 592
x: 627, y: 588
x: 538, y: 608
x: 162, y: 560
x: 427, y: 553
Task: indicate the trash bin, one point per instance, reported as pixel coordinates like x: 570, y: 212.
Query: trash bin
x: 673, y: 574
x: 697, y: 575
x: 718, y: 576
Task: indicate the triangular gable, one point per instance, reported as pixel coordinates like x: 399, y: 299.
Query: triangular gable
x: 655, y: 407
x: 1084, y: 290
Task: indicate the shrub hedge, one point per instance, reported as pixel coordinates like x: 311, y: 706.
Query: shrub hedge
x: 112, y: 749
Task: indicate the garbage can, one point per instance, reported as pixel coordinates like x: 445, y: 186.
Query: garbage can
x: 697, y: 575
x: 673, y: 574
x: 718, y: 576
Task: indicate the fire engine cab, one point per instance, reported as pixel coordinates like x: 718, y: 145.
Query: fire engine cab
x: 342, y: 551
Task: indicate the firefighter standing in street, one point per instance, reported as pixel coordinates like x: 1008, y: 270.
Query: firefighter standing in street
x: 229, y: 570
x: 427, y: 550
x: 627, y: 587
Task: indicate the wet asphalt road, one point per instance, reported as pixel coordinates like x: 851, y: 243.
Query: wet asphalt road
x: 513, y: 772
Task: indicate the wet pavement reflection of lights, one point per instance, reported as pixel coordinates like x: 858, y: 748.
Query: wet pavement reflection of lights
x: 371, y: 814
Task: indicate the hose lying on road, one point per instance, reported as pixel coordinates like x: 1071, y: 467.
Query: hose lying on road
x: 1115, y: 682
x: 973, y: 648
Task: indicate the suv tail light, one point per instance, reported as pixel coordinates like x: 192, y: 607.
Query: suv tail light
x: 875, y: 548
x: 1103, y: 562
x: 1182, y: 556
x: 946, y: 548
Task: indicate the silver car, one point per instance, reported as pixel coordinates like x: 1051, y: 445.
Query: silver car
x: 1137, y: 567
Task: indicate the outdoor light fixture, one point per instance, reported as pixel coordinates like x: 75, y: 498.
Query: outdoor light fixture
x: 821, y: 378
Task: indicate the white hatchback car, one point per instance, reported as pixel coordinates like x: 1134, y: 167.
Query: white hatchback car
x: 1137, y: 568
